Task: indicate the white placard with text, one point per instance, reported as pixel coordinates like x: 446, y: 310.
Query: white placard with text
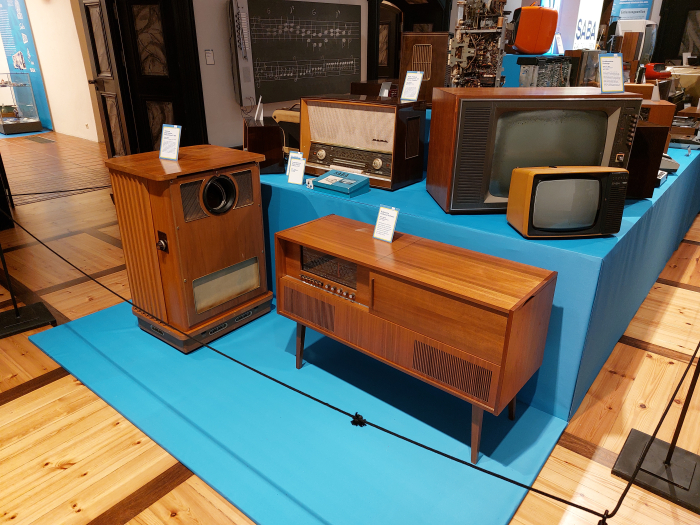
x: 611, y: 74
x: 170, y: 142
x: 386, y: 223
x: 295, y: 170
x: 411, y: 86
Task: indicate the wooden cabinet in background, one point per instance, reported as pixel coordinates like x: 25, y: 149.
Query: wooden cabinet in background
x: 471, y: 324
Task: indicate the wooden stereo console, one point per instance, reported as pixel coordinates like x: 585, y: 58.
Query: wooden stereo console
x: 471, y: 324
x: 192, y: 231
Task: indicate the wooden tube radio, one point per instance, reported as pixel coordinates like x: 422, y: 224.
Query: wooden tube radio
x: 193, y: 240
x: 379, y: 137
x: 471, y: 324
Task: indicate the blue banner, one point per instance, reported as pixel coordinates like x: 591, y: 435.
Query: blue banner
x: 631, y: 10
x: 18, y: 40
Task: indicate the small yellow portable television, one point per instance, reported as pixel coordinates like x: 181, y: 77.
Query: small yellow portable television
x: 564, y: 202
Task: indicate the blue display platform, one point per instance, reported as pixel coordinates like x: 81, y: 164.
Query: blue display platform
x: 284, y: 459
x: 601, y: 283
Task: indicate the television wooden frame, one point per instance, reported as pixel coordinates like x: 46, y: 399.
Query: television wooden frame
x: 470, y: 324
x: 445, y: 133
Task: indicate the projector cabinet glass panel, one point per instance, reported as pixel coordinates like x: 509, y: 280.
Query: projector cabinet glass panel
x: 564, y: 137
x: 566, y: 204
x: 226, y: 284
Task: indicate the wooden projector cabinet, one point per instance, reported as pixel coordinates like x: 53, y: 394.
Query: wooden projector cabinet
x: 471, y: 324
x: 192, y: 232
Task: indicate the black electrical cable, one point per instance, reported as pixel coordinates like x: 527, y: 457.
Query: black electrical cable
x: 358, y: 420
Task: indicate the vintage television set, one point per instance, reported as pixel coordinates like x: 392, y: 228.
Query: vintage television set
x: 478, y: 136
x: 379, y: 137
x: 575, y: 201
x: 192, y: 232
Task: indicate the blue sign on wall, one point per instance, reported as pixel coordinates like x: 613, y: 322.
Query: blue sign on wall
x: 18, y: 40
x: 631, y: 10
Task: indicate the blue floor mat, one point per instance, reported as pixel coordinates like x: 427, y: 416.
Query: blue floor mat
x: 284, y: 459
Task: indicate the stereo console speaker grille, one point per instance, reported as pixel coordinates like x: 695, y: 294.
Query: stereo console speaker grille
x: 423, y: 60
x: 471, y: 156
x: 189, y: 192
x: 244, y: 181
x: 309, y: 308
x: 412, y: 137
x: 362, y: 127
x: 453, y: 371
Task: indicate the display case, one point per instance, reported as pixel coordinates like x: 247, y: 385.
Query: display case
x: 19, y: 113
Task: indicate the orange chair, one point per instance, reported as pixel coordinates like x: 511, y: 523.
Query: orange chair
x: 534, y: 29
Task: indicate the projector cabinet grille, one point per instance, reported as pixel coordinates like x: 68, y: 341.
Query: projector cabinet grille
x: 453, y: 371
x: 244, y: 181
x: 189, y: 192
x: 309, y: 308
x: 471, y: 156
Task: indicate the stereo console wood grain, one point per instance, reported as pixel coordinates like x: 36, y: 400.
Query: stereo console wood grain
x: 471, y: 324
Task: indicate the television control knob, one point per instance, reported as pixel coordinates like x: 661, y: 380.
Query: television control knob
x: 162, y: 245
x: 321, y: 154
x: 377, y: 164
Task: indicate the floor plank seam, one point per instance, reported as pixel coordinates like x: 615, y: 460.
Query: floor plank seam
x: 676, y: 284
x: 139, y: 500
x: 688, y: 241
x: 80, y: 280
x: 656, y: 349
x: 588, y: 450
x: 60, y: 236
x: 32, y: 385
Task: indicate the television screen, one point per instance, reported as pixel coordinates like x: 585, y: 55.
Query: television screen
x: 551, y: 137
x: 566, y: 204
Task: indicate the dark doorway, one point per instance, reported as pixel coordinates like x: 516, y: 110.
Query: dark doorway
x: 153, y: 76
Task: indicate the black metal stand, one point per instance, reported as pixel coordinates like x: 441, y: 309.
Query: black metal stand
x: 23, y: 318
x: 667, y: 471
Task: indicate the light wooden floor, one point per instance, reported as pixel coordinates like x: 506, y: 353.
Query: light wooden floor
x: 67, y: 457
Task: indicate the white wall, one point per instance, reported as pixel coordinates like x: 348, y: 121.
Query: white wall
x: 224, y: 121
x: 62, y: 67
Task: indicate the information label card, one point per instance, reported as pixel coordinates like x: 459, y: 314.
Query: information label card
x: 170, y: 142
x: 386, y: 223
x: 411, y: 86
x: 295, y: 168
x: 611, y: 79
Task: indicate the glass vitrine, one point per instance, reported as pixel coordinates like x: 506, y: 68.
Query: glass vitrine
x: 18, y: 112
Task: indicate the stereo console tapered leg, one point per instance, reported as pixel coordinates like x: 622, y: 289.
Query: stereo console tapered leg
x: 301, y: 334
x: 511, y: 409
x: 477, y: 419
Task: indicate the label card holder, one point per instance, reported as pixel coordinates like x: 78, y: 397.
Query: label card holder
x: 386, y: 223
x: 170, y: 142
x: 295, y: 169
x: 560, y: 43
x: 611, y: 73
x: 411, y: 86
x: 384, y: 90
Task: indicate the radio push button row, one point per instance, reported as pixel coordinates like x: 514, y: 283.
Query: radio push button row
x: 326, y: 287
x: 321, y: 154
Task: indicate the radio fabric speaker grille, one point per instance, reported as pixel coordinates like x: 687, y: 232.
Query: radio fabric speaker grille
x: 458, y: 373
x: 356, y: 126
x: 412, y: 137
x: 224, y: 285
x: 471, y: 156
x: 329, y: 267
x: 616, y: 207
x: 422, y: 60
x: 244, y: 181
x: 189, y: 192
x: 309, y: 308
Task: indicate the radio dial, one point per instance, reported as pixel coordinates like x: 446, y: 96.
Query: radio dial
x: 377, y: 164
x: 321, y: 154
